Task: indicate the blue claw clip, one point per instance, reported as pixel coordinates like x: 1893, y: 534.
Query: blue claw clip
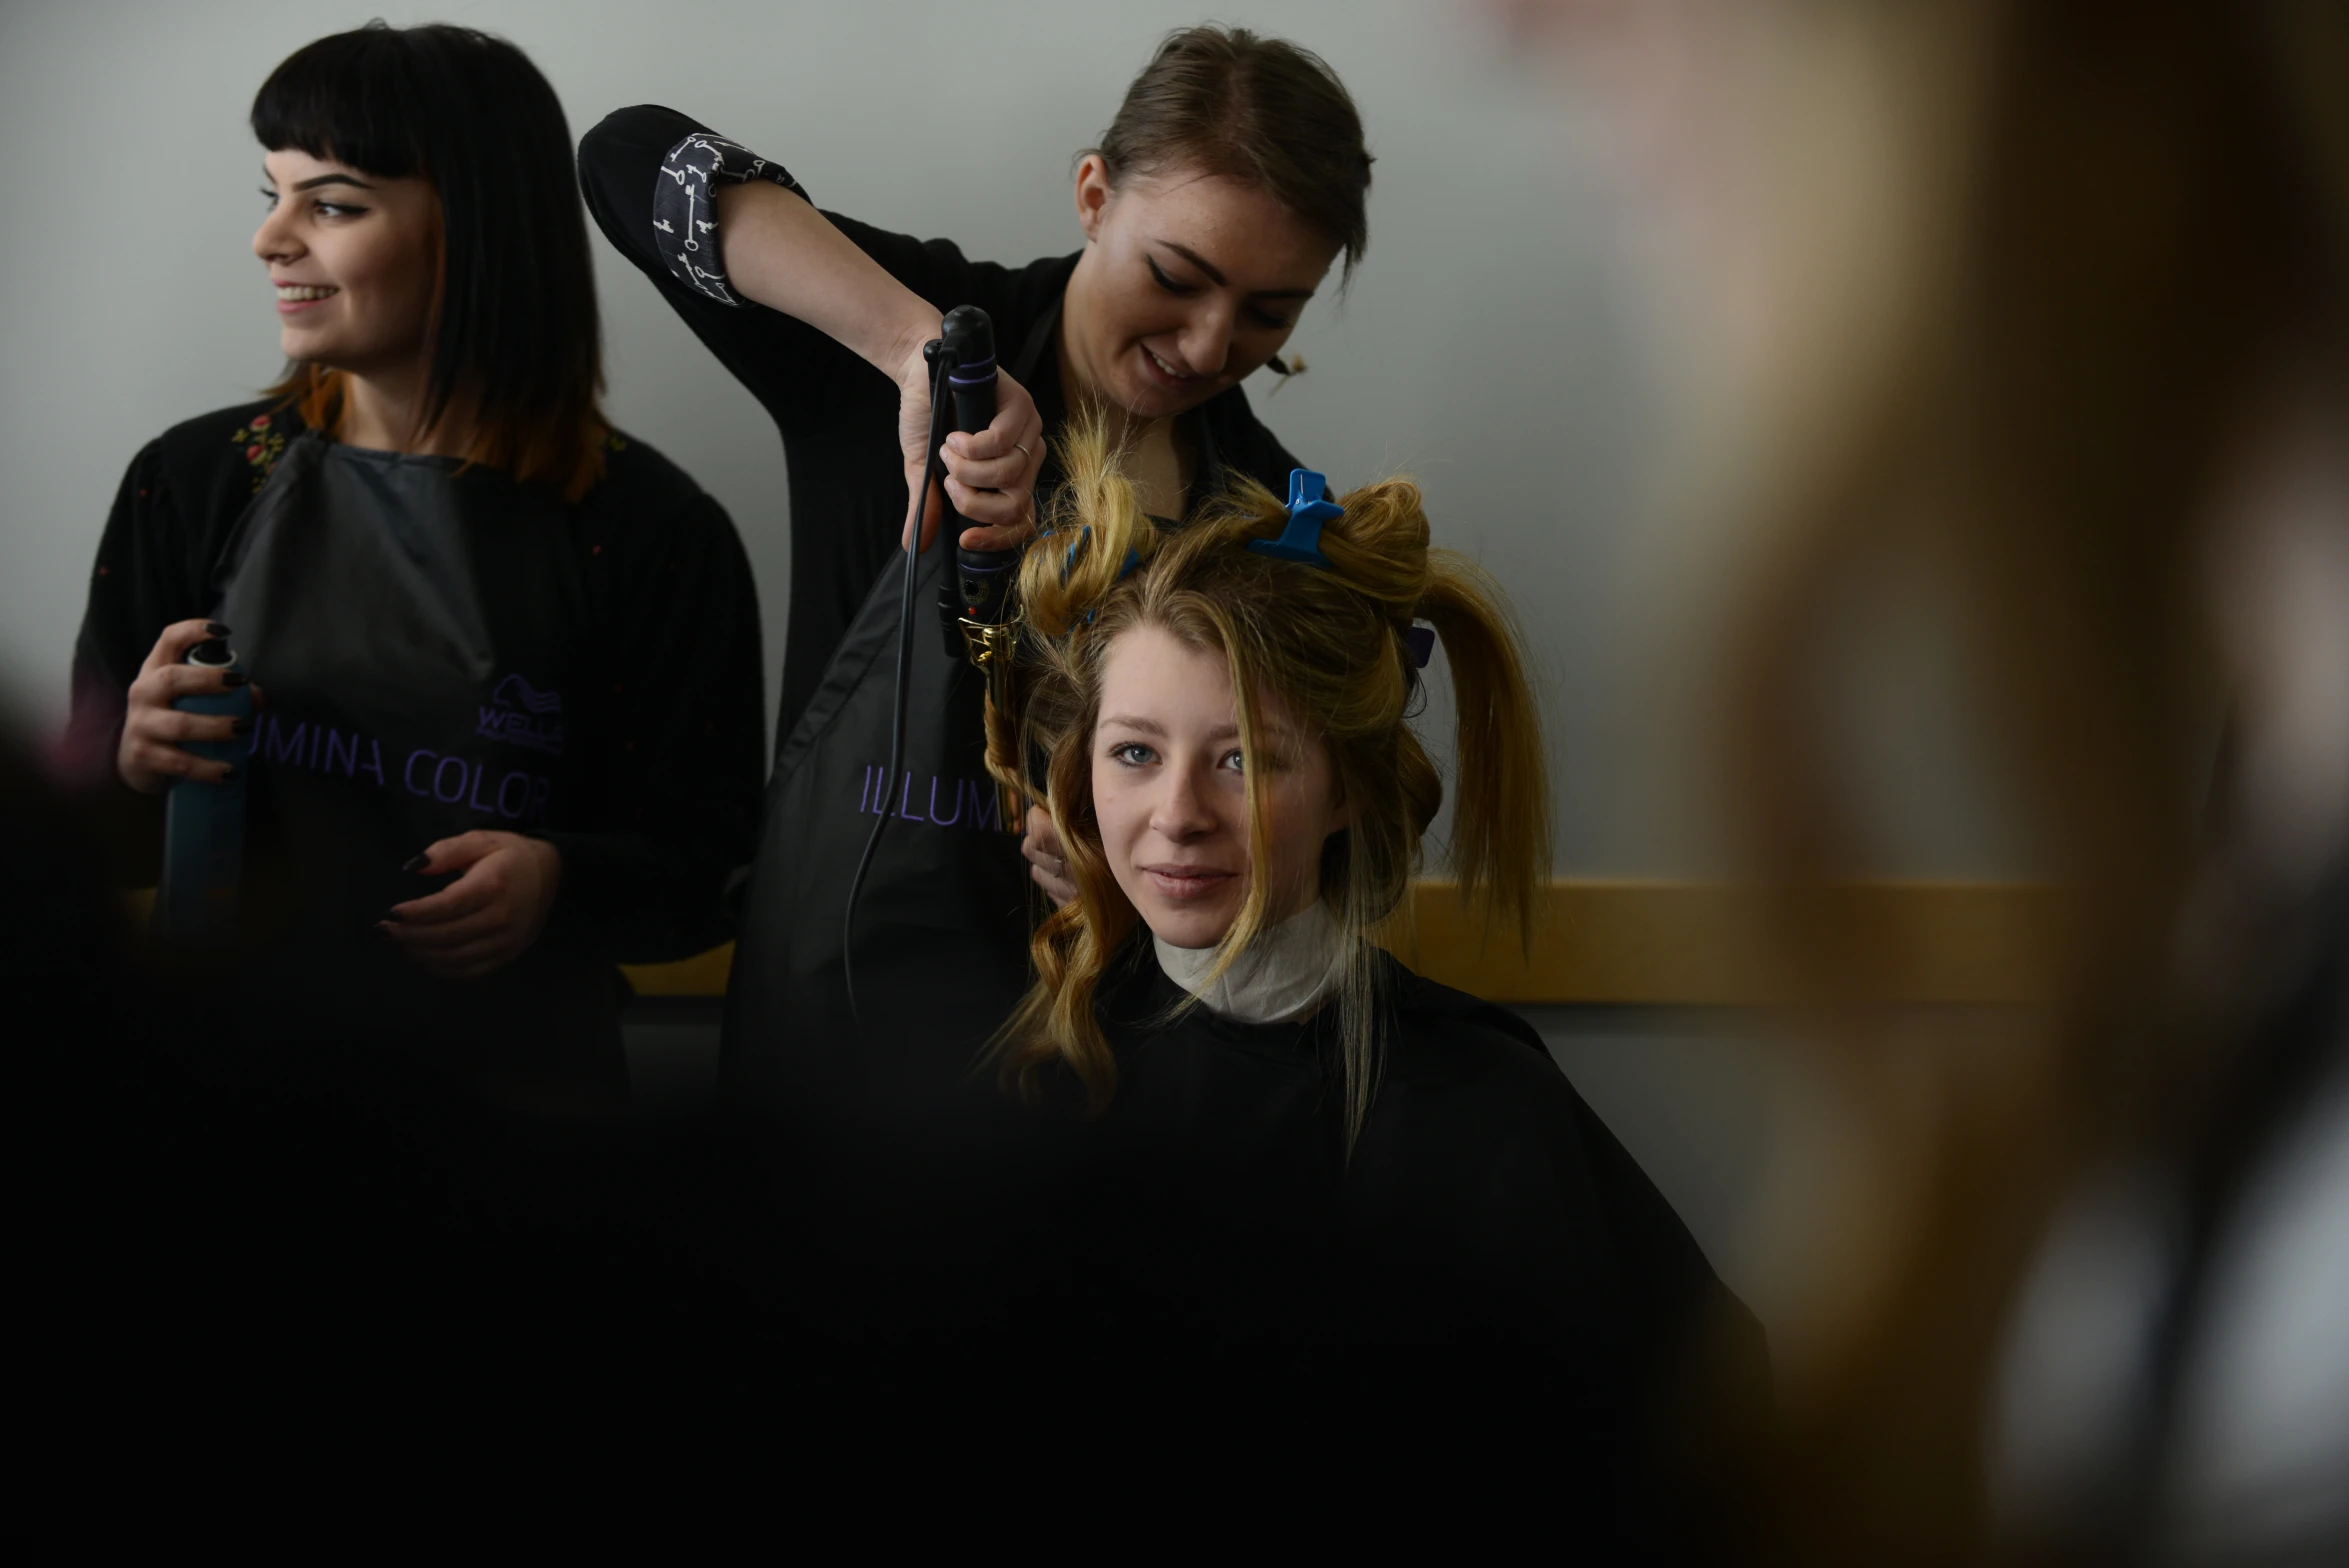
x: 1309, y: 508
x: 1068, y: 562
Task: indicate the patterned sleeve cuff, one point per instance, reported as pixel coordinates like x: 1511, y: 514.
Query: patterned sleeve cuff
x: 685, y: 222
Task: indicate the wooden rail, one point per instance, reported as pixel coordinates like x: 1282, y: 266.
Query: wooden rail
x: 1680, y: 943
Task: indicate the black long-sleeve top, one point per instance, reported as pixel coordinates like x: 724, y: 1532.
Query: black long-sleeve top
x: 670, y: 768
x: 648, y: 171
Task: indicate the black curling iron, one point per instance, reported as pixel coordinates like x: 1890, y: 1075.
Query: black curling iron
x: 975, y: 599
x: 978, y: 593
x: 975, y: 609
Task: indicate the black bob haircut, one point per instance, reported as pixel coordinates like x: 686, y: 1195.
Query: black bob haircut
x: 517, y: 344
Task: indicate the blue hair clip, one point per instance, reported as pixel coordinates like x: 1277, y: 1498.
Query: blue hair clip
x: 1068, y: 562
x: 1420, y: 640
x: 1309, y: 508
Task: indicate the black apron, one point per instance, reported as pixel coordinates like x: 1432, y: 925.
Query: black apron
x: 896, y: 1142
x: 418, y: 636
x: 942, y: 918
x: 944, y: 914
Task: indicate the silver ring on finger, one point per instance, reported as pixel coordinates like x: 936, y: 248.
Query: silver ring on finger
x: 1024, y: 452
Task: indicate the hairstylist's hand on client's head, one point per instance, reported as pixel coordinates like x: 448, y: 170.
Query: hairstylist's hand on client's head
x: 152, y: 754
x: 1047, y: 860
x: 486, y: 918
x: 990, y: 473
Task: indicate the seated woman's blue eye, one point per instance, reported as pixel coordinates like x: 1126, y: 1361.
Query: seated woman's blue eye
x: 1234, y: 761
x: 1133, y: 754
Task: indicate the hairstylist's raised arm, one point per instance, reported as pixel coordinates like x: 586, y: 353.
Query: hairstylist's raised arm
x: 779, y: 251
x: 670, y: 194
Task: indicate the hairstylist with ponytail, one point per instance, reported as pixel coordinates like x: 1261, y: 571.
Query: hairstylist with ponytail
x: 510, y: 656
x: 1232, y: 177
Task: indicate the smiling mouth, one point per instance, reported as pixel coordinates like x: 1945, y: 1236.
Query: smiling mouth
x: 303, y: 293
x: 1168, y: 370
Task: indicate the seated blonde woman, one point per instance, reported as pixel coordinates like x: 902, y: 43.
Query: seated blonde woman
x: 1294, y: 1138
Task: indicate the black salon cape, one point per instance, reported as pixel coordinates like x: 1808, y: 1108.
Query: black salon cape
x: 1219, y: 1222
x: 666, y: 719
x: 1482, y: 1203
x: 1488, y: 1258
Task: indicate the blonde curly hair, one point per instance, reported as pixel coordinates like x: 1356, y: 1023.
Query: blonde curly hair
x: 1332, y: 645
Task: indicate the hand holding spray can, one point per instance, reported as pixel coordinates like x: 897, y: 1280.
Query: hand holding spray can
x: 204, y: 823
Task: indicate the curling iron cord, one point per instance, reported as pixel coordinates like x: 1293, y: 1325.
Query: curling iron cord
x: 941, y: 361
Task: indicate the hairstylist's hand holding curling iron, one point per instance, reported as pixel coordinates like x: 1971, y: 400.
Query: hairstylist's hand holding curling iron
x: 154, y: 733
x: 485, y: 919
x: 990, y: 473
x: 786, y: 255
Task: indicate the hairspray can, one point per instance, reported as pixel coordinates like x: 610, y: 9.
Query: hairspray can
x: 203, y: 822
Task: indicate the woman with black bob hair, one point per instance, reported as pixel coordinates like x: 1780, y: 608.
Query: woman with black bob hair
x: 510, y: 735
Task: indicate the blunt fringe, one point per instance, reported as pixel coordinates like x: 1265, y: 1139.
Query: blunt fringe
x: 1228, y: 102
x: 517, y: 351
x: 1329, y: 646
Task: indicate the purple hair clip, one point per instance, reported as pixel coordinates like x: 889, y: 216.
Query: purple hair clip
x: 1309, y: 508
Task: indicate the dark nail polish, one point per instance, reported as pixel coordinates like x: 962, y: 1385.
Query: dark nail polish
x: 417, y: 863
x: 240, y: 726
x: 391, y: 917
x: 235, y: 678
x: 215, y: 629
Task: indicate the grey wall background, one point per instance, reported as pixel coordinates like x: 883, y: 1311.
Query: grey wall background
x: 1483, y: 346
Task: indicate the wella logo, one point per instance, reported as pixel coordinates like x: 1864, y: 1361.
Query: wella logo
x: 521, y: 715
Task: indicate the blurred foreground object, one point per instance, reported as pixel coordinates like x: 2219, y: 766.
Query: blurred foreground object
x: 2024, y: 321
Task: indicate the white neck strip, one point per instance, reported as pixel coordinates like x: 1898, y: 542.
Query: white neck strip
x: 1283, y: 973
